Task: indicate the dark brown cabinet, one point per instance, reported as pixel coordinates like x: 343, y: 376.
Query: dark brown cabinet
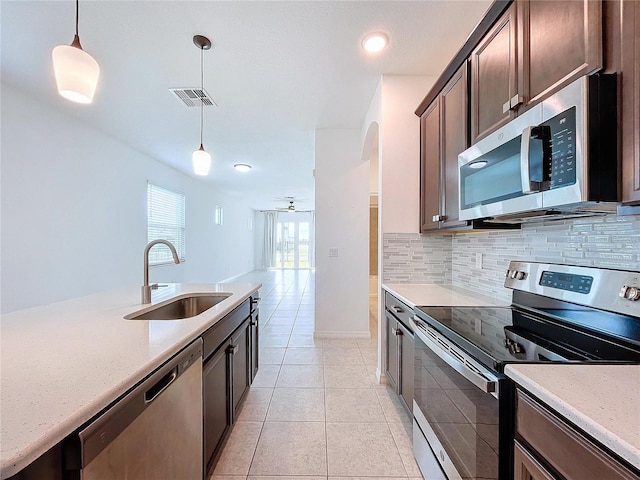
x: 443, y: 133
x: 630, y: 53
x: 399, y: 351
x: 230, y: 356
x: 494, y: 81
x: 548, y: 447
x: 533, y: 50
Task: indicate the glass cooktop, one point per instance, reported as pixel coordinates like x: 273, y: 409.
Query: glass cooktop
x: 499, y: 335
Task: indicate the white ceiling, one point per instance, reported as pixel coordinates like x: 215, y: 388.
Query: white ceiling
x: 277, y: 70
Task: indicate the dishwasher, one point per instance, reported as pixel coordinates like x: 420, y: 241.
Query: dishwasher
x: 153, y: 432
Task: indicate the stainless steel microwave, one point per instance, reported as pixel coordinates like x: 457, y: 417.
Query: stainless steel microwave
x: 557, y: 158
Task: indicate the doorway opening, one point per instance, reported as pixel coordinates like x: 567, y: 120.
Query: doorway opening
x: 293, y: 244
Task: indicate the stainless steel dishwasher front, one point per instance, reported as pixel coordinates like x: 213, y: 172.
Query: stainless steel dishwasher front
x: 155, y: 431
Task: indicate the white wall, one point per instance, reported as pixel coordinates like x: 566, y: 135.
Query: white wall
x: 400, y: 151
x: 74, y: 212
x: 342, y: 221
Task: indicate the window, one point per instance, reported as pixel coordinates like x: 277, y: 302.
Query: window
x: 165, y: 220
x: 219, y: 215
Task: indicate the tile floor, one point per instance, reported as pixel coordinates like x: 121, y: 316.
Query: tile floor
x: 315, y: 409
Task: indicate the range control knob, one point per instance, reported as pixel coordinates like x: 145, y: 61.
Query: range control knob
x: 514, y: 274
x: 630, y: 293
x: 521, y: 275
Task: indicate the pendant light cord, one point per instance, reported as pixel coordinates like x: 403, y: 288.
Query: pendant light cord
x: 77, y: 7
x: 202, y: 91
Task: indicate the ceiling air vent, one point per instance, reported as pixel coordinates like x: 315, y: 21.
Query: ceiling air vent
x: 193, y: 97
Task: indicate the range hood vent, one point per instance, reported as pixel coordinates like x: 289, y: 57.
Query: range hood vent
x: 193, y: 97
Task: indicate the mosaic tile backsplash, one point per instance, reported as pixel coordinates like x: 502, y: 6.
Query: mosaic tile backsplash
x: 610, y: 242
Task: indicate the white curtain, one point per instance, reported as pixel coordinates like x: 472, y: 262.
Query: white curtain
x: 269, y: 248
x: 312, y: 240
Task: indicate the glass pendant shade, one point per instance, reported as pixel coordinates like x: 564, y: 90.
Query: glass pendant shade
x: 76, y: 73
x: 201, y: 161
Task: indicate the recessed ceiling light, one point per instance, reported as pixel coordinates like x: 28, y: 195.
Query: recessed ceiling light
x: 242, y: 167
x: 374, y: 42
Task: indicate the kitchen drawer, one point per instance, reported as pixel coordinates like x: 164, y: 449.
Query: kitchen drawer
x: 562, y: 447
x: 400, y: 310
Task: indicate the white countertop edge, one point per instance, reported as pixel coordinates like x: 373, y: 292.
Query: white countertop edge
x: 583, y: 421
x: 16, y: 461
x: 431, y: 294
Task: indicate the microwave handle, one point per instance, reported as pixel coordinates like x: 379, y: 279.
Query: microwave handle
x: 528, y: 186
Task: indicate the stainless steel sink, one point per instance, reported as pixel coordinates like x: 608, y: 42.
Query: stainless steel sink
x: 181, y: 308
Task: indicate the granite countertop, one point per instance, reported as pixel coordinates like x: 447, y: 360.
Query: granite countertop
x: 602, y: 400
x: 427, y: 294
x: 61, y: 364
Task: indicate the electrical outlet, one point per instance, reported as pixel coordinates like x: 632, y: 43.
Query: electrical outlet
x: 333, y: 251
x: 478, y: 260
x: 478, y: 326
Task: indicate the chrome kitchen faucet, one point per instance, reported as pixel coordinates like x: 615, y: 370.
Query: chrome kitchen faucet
x: 146, y: 288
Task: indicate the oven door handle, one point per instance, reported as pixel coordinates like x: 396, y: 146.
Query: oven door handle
x: 482, y: 380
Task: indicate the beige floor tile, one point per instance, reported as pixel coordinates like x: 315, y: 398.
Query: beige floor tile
x: 303, y: 355
x: 362, y: 449
x: 304, y: 340
x: 279, y: 321
x: 301, y: 376
x: 291, y: 448
x: 297, y: 405
x: 271, y: 329
x: 348, y: 376
x: 273, y: 340
x: 289, y: 477
x: 267, y: 376
x: 370, y: 357
x: 227, y: 477
x: 341, y: 343
x: 239, y: 449
x: 271, y: 355
x: 402, y: 434
x: 255, y: 405
x: 393, y: 409
x: 302, y: 329
x: 353, y: 405
x: 342, y: 357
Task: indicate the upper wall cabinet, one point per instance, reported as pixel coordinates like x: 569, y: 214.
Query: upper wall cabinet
x: 534, y: 49
x: 494, y: 80
x: 443, y: 136
x: 630, y: 48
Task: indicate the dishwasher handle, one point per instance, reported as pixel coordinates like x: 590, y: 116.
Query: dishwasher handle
x: 102, y: 430
x: 151, y: 394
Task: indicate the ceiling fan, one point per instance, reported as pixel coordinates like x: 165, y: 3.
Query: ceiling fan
x: 291, y: 208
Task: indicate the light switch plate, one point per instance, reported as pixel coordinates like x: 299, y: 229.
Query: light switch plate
x: 333, y: 251
x: 478, y: 260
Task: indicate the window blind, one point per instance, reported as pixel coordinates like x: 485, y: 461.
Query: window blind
x: 165, y: 220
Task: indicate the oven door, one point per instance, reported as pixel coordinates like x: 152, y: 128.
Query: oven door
x: 456, y: 406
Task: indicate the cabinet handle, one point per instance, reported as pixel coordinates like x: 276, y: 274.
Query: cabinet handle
x: 515, y: 100
x: 232, y: 349
x: 253, y: 323
x: 397, y: 332
x: 397, y: 309
x: 506, y: 106
x: 436, y: 218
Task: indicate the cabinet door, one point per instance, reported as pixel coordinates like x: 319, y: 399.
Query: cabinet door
x: 406, y: 367
x: 430, y: 168
x: 239, y: 351
x: 631, y: 104
x: 526, y: 467
x: 393, y: 364
x: 494, y: 79
x: 217, y: 402
x: 253, y: 340
x: 560, y: 41
x: 453, y: 120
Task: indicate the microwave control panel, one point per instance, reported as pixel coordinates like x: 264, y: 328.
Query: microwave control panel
x: 562, y: 164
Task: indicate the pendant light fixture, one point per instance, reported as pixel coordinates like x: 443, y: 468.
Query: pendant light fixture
x: 75, y: 70
x: 201, y: 159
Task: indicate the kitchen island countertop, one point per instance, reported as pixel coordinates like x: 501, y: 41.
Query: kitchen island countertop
x: 63, y: 363
x: 602, y: 400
